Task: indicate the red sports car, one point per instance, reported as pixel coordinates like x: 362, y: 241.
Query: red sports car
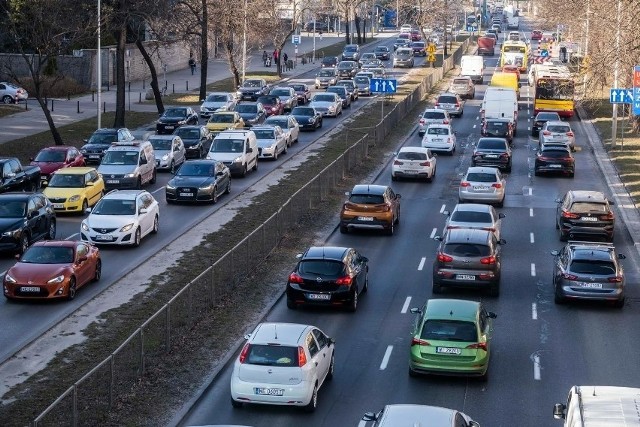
x: 53, y: 269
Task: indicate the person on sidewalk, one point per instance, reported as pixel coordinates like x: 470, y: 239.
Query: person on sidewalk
x: 264, y: 58
x: 285, y: 57
x: 192, y: 65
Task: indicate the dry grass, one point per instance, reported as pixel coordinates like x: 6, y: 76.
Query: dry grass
x: 8, y: 109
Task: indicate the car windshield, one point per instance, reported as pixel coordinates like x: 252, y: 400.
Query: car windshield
x: 335, y: 89
x: 302, y: 111
x: 265, y: 134
x: 272, y: 355
x: 326, y: 73
x: 481, y: 177
x: 48, y: 255
x: 367, y: 199
x: 595, y: 267
x: 120, y: 158
x: 161, y: 144
x: 186, y: 133
x: 323, y: 98
x: 433, y: 115
x: 103, y: 138
x: 438, y: 131
x: 246, y: 108
x: 298, y: 88
x: 54, y: 156
x: 216, y: 98
x: 13, y: 209
x: 556, y: 154
x: 283, y: 123
x: 381, y: 49
x: 361, y: 80
x: 280, y: 92
x: 227, y: 145
x: 221, y: 118
x: 114, y: 207
x: 548, y: 116
x: 412, y: 155
x: 492, y: 144
x: 345, y: 65
x: 63, y: 180
x: 175, y: 112
x: 350, y: 48
x: 447, y: 100
x: 268, y: 100
x: 466, y: 249
x: 460, y: 82
x: 449, y: 330
x: 321, y: 268
x: 588, y: 207
x: 471, y: 216
x: 329, y: 60
x: 196, y: 169
x: 497, y: 126
x: 252, y: 83
x: 558, y: 128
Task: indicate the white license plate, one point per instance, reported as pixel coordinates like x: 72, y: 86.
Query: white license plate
x: 589, y: 218
x: 365, y: 218
x: 465, y: 277
x: 269, y: 391
x: 103, y: 237
x: 186, y: 194
x: 480, y: 188
x: 448, y: 350
x: 555, y: 166
x: 58, y: 205
x: 491, y: 156
x: 113, y: 181
x: 591, y: 285
x: 94, y: 156
x: 410, y: 172
x: 436, y: 140
x: 322, y: 297
x: 168, y: 127
x: 29, y: 289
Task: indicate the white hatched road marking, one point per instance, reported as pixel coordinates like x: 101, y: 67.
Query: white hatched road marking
x: 405, y: 306
x: 385, y: 359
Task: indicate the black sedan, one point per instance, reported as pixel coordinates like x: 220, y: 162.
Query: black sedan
x: 328, y: 276
x: 555, y: 159
x: 382, y: 53
x: 196, y: 139
x: 252, y: 113
x: 24, y: 219
x: 199, y: 181
x: 540, y: 119
x: 493, y: 152
x: 302, y: 91
x: 498, y: 128
x: 307, y: 117
x: 174, y: 117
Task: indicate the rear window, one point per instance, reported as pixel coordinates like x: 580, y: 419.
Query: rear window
x: 556, y: 154
x: 462, y: 82
x: 449, y: 330
x: 447, y: 100
x: 437, y: 131
x: 367, y: 199
x: 272, y: 355
x: 481, y: 177
x: 492, y: 144
x: 558, y: 129
x: 410, y: 155
x: 469, y: 216
x: 548, y: 116
x: 433, y: 115
x: 467, y: 249
x: 587, y: 266
x: 588, y: 207
x: 322, y: 268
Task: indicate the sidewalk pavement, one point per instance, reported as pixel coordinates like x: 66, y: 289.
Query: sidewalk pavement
x: 65, y: 111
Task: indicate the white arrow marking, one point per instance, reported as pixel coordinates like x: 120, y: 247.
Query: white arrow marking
x: 392, y: 85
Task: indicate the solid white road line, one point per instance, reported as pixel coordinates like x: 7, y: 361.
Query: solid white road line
x: 534, y: 311
x: 421, y: 265
x: 405, y: 306
x: 536, y: 367
x: 433, y: 233
x: 531, y: 212
x: 442, y: 208
x: 385, y: 359
x: 531, y: 238
x: 533, y: 270
x: 72, y: 236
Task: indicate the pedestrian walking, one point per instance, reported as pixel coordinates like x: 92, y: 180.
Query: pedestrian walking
x: 192, y: 65
x: 264, y: 57
x: 321, y: 34
x: 285, y: 57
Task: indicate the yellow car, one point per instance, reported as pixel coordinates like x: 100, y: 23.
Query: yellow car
x: 74, y: 189
x: 223, y: 120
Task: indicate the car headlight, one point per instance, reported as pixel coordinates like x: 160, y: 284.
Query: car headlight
x: 332, y: 108
x: 207, y: 188
x: 317, y: 81
x: 57, y: 279
x: 12, y: 233
x: 126, y: 227
x: 74, y: 198
x: 84, y: 226
x: 165, y: 157
x: 170, y: 187
x: 237, y: 159
x: 182, y: 122
x: 10, y: 279
x: 83, y: 151
x: 310, y: 120
x: 129, y: 175
x: 209, y: 157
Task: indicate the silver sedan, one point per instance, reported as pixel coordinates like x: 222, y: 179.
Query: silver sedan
x: 329, y: 104
x: 271, y: 141
x: 475, y: 216
x: 557, y: 132
x: 482, y: 184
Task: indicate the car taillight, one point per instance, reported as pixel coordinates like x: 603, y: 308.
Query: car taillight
x: 504, y: 156
x: 568, y: 276
x: 344, y: 281
x: 607, y: 217
x: 457, y: 104
x: 465, y: 184
x: 397, y: 162
x: 478, y: 346
x: 570, y: 215
x: 546, y: 132
x: 425, y: 164
x: 569, y: 133
x: 493, y: 230
x: 437, y: 104
x: 488, y: 260
x: 244, y: 353
x: 616, y: 279
x: 295, y: 278
x: 302, y: 357
x: 496, y: 185
x: 445, y: 122
x: 422, y: 121
x: 417, y: 341
x: 444, y: 257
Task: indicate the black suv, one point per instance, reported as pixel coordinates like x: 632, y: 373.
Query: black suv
x: 24, y: 219
x: 541, y: 118
x: 584, y: 213
x: 588, y: 271
x: 329, y: 62
x: 499, y: 128
x: 94, y: 147
x: 468, y: 258
x: 328, y: 275
x: 493, y: 152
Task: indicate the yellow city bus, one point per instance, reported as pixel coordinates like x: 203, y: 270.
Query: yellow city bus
x: 554, y: 90
x: 515, y: 53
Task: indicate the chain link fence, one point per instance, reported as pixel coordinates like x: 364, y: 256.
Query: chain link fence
x: 89, y: 400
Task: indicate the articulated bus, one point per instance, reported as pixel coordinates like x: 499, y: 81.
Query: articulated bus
x: 515, y: 53
x: 553, y: 90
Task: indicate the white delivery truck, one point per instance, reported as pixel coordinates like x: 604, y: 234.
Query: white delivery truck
x: 513, y: 23
x: 500, y: 103
x: 600, y: 406
x: 473, y: 67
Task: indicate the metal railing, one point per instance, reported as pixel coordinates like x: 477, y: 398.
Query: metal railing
x: 89, y: 400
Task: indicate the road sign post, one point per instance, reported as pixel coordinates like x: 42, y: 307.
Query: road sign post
x: 636, y: 90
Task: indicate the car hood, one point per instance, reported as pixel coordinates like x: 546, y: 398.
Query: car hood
x: 213, y: 105
x: 170, y: 120
x: 115, y: 169
x: 37, y: 274
x: 191, y: 181
x: 109, y: 221
x: 265, y: 143
x: 248, y: 116
x: 48, y: 167
x: 10, y: 223
x: 95, y: 146
x: 322, y: 104
x: 323, y: 78
x: 160, y: 153
x: 302, y: 119
x: 215, y: 127
x: 190, y: 142
x: 249, y: 89
x: 55, y: 192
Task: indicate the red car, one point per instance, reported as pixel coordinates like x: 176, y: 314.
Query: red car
x: 53, y: 269
x: 272, y: 105
x: 536, y: 35
x: 51, y: 159
x: 415, y: 35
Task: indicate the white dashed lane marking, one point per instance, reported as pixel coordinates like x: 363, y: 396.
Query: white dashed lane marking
x: 534, y: 311
x: 385, y: 359
x: 421, y: 265
x: 533, y: 270
x: 405, y: 306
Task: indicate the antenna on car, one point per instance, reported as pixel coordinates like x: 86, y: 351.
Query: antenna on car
x: 275, y: 331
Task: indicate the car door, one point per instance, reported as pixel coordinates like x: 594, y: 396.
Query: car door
x: 83, y: 268
x: 94, y: 191
x: 178, y: 151
x: 319, y: 365
x: 560, y: 264
x: 281, y: 140
x: 360, y: 269
x: 36, y: 221
x: 145, y: 220
x: 325, y: 348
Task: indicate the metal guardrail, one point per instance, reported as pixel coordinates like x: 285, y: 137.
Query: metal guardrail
x: 88, y: 401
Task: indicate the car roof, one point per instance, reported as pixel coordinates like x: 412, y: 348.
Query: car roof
x: 74, y: 171
x: 434, y: 110
x: 278, y: 333
x: 414, y: 150
x: 491, y: 138
x: 472, y: 207
x: 58, y: 243
x: 467, y: 235
x: 57, y: 148
x: 369, y: 189
x: 123, y: 194
x: 481, y: 169
x: 592, y: 252
x: 414, y: 415
x: 325, y: 252
x: 446, y: 308
x: 587, y: 196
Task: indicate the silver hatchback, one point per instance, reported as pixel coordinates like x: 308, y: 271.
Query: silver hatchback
x: 482, y: 184
x: 475, y: 216
x: 557, y: 132
x: 450, y: 102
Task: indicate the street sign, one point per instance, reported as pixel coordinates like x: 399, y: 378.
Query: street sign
x: 620, y: 96
x: 383, y: 85
x: 432, y: 49
x: 431, y: 58
x: 636, y: 90
x: 295, y: 39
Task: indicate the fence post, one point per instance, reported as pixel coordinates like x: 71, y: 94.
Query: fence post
x: 213, y: 285
x: 190, y: 293
x: 167, y: 328
x: 141, y: 352
x: 74, y: 421
x: 112, y: 381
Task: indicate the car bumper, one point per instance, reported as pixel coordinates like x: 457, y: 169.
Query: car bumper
x: 192, y: 195
x: 120, y: 183
x: 307, y: 126
x: 342, y: 296
x: 572, y: 231
x: 451, y: 277
x: 555, y: 169
x: 115, y: 238
x: 434, y: 146
x: 412, y: 173
x: 492, y: 163
x: 358, y: 222
x: 68, y: 206
x: 293, y: 395
x: 475, y: 367
x: 567, y: 290
x: 481, y: 197
x: 9, y: 244
x: 28, y: 291
x: 165, y: 129
x: 249, y: 96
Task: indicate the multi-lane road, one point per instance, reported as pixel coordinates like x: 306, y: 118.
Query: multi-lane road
x: 539, y: 349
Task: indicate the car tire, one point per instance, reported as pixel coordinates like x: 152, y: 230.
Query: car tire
x: 214, y: 195
x: 24, y: 244
x: 169, y: 201
x: 353, y: 305
x: 558, y: 298
x: 572, y: 174
x: 500, y: 203
x: 391, y: 229
x: 7, y: 99
x: 291, y: 305
x: 227, y: 190
x: 136, y: 238
x: 153, y: 177
x: 619, y: 303
x: 235, y: 403
x: 71, y: 292
x: 172, y: 167
x: 393, y: 177
x: 412, y: 373
x: 98, y: 273
x: 536, y: 172
x: 51, y: 234
x: 563, y: 236
x: 344, y: 229
x: 139, y: 183
x: 331, y: 368
x: 494, y: 289
x: 156, y: 225
x: 313, y: 403
x: 244, y: 170
x: 484, y: 377
x: 85, y: 206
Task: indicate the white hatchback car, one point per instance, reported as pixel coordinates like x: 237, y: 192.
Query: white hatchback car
x: 482, y: 184
x: 414, y: 162
x: 557, y: 132
x: 431, y: 116
x: 121, y: 217
x: 440, y: 137
x: 282, y: 364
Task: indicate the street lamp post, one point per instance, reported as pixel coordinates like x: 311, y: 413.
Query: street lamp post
x: 244, y: 43
x: 99, y: 72
x: 314, y: 39
x: 614, y: 122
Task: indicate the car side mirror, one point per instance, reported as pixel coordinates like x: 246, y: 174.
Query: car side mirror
x: 501, y: 215
x: 559, y: 411
x: 33, y: 214
x: 438, y: 238
x: 555, y: 252
x: 31, y: 159
x: 89, y: 184
x: 474, y: 424
x: 88, y: 210
x: 332, y: 340
x: 81, y: 259
x: 415, y: 310
x: 369, y: 416
x: 611, y: 202
x: 398, y: 196
x: 220, y: 174
x: 446, y: 213
x: 558, y: 201
x: 143, y: 211
x: 249, y: 150
x: 502, y: 242
x: 143, y: 161
x: 491, y: 315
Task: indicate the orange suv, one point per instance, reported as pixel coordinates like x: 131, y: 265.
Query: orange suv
x: 371, y: 207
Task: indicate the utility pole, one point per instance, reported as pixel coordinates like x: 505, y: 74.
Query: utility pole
x: 614, y: 122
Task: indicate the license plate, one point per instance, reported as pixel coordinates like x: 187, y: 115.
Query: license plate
x: 186, y: 194
x: 168, y: 127
x: 269, y: 391
x: 491, y: 156
x: 555, y: 166
x: 94, y: 156
x: 480, y: 188
x: 410, y: 172
x: 591, y: 285
x: 465, y: 277
x: 103, y: 237
x: 29, y: 289
x: 448, y: 350
x: 58, y: 206
x: 589, y: 218
x: 365, y: 218
x: 323, y: 297
x: 113, y: 181
x: 437, y: 140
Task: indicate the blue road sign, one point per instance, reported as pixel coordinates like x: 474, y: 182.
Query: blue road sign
x: 621, y: 96
x: 383, y: 85
x: 295, y: 39
x: 636, y: 90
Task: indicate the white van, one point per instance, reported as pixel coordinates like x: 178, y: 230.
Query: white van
x: 237, y: 149
x: 599, y: 406
x: 128, y: 165
x: 500, y: 103
x: 472, y: 66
